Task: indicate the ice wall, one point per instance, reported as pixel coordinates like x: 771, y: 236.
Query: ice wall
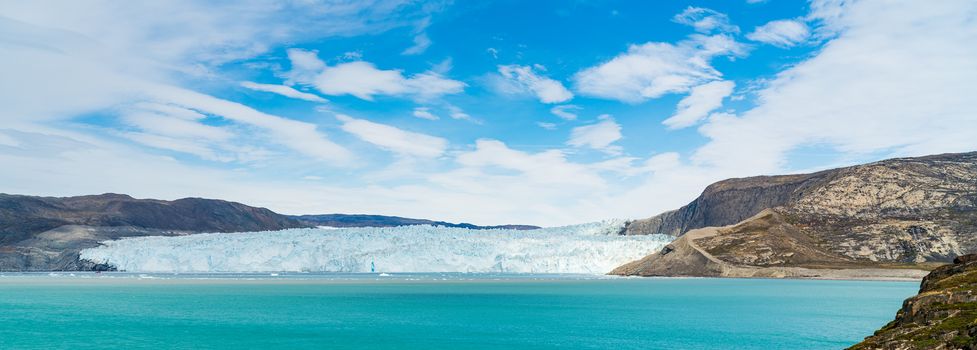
x: 587, y: 248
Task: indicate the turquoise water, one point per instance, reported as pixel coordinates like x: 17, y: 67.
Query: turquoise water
x: 426, y: 312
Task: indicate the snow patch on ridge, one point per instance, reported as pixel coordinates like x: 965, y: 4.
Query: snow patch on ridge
x: 586, y: 248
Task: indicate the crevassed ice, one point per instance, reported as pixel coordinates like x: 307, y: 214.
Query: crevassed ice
x: 586, y: 248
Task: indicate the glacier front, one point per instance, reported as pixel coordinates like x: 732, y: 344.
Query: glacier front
x: 585, y: 248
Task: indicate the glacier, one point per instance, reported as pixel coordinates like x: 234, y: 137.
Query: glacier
x: 593, y: 248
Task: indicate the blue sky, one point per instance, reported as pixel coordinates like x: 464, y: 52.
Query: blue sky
x: 541, y: 112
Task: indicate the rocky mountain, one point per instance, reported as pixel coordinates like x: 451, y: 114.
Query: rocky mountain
x: 361, y: 220
x: 46, y: 233
x: 893, y: 214
x: 942, y: 316
x: 23, y: 216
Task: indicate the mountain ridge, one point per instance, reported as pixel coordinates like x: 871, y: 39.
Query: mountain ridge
x: 369, y: 220
x: 897, y: 213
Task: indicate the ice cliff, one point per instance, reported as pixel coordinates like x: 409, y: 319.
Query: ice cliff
x: 586, y: 248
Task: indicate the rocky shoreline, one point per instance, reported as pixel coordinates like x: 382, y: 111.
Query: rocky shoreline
x: 942, y: 316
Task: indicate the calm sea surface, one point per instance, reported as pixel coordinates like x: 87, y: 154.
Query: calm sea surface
x: 434, y: 311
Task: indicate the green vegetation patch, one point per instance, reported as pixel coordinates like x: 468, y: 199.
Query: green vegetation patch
x: 930, y: 336
x: 961, y: 281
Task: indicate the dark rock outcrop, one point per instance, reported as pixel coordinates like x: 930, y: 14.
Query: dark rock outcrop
x: 897, y: 213
x: 942, y: 316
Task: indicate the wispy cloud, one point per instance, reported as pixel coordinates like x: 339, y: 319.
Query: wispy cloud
x: 781, y: 33
x: 393, y: 139
x: 653, y: 69
x: 301, y: 137
x: 904, y: 64
x: 565, y: 112
x: 283, y: 90
x: 703, y: 99
x: 456, y: 112
x: 547, y: 126
x: 599, y: 136
x: 705, y: 20
x: 421, y: 43
x: 364, y: 80
x: 525, y: 78
x: 421, y: 40
x: 549, y: 167
x: 424, y: 113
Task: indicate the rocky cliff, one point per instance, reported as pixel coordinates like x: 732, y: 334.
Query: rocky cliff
x: 942, y: 316
x: 724, y: 203
x: 897, y: 213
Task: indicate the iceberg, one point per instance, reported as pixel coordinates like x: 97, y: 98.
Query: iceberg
x: 586, y: 248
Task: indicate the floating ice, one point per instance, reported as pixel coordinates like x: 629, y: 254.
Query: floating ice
x: 586, y: 248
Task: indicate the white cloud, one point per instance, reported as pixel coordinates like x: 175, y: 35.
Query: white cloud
x: 299, y: 136
x: 283, y: 90
x: 393, y: 139
x: 174, y: 126
x: 91, y: 58
x: 364, y: 80
x: 781, y: 33
x: 432, y: 84
x: 565, y: 111
x: 421, y: 43
x: 168, y: 110
x: 705, y: 20
x: 424, y: 113
x: 549, y: 167
x: 525, y: 78
x: 444, y: 66
x: 599, y: 136
x: 421, y: 40
x: 176, y: 144
x: 346, y: 56
x: 704, y: 99
x: 657, y: 164
x: 547, y: 126
x: 456, y: 112
x: 220, y: 32
x: 827, y: 17
x: 906, y: 70
x: 306, y: 65
x: 360, y: 79
x: 653, y: 69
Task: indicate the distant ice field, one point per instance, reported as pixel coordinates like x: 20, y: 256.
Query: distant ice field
x: 594, y: 248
